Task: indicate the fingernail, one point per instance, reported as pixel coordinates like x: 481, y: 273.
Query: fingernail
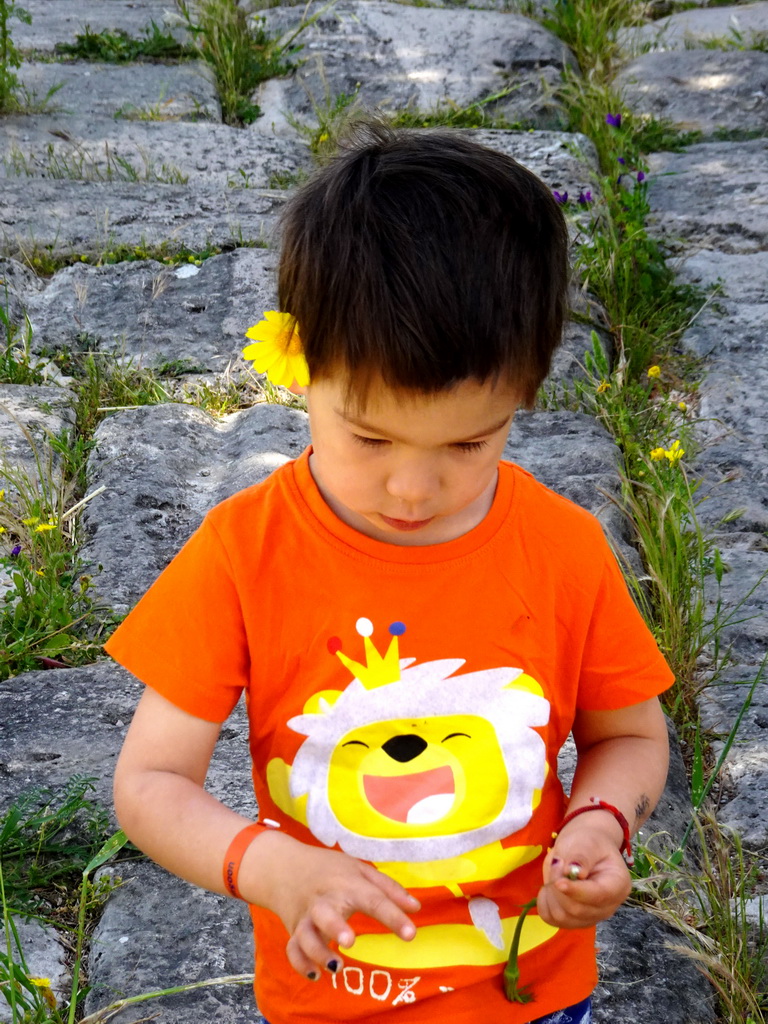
x: 574, y: 872
x: 407, y: 931
x: 333, y: 966
x: 313, y: 975
x: 555, y: 860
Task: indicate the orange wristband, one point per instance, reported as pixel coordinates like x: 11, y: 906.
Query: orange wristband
x: 234, y: 856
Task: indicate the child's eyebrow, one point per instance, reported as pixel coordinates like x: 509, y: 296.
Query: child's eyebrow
x: 362, y: 425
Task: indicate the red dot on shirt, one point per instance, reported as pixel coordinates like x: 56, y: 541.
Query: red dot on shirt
x: 334, y: 644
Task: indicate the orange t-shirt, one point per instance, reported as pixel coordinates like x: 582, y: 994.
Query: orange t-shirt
x: 406, y: 705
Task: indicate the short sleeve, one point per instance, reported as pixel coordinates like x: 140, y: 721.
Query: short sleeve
x: 621, y: 663
x: 186, y: 637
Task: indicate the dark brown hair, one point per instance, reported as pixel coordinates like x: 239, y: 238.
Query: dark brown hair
x: 425, y: 259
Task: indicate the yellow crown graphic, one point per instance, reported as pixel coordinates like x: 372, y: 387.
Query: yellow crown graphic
x: 377, y: 670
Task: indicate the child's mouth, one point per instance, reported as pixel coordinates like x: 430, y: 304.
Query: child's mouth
x: 407, y: 524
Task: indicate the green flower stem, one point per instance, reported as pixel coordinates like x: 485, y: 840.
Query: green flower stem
x: 100, y: 1016
x: 512, y: 971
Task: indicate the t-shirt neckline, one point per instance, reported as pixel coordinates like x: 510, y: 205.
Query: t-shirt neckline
x: 314, y: 507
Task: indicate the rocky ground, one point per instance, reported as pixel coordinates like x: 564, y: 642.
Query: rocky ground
x: 203, y: 184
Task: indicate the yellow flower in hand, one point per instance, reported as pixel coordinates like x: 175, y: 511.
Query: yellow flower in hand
x: 278, y: 351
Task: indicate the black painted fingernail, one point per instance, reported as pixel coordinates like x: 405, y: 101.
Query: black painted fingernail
x: 555, y: 860
x: 313, y: 975
x: 333, y: 966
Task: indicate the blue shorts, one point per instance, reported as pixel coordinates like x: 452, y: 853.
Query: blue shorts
x: 579, y: 1013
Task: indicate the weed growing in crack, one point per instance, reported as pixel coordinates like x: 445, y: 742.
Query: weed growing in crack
x: 116, y: 46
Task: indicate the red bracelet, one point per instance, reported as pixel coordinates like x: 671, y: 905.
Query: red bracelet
x: 234, y: 856
x: 601, y: 805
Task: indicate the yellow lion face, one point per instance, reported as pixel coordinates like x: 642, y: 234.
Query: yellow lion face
x: 433, y: 776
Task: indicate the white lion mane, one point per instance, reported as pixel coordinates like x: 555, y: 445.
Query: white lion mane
x: 425, y: 691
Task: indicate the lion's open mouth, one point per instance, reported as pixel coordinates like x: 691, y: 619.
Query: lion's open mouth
x: 418, y: 799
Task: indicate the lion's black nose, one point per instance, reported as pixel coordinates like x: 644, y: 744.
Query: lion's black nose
x: 405, y: 748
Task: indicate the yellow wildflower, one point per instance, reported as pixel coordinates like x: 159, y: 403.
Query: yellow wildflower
x: 278, y: 351
x: 44, y: 984
x: 657, y: 454
x: 654, y: 371
x: 323, y: 137
x: 45, y: 527
x: 40, y: 572
x: 604, y: 385
x: 2, y: 494
x: 675, y: 453
x: 2, y: 529
x: 682, y: 406
x: 31, y: 520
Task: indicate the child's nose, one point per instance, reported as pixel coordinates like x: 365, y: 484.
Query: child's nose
x: 413, y: 482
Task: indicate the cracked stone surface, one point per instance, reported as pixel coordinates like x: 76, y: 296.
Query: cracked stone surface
x: 105, y: 149
x: 152, y: 313
x: 29, y: 417
x: 94, y: 217
x: 699, y: 90
x: 713, y: 196
x: 168, y: 92
x: 419, y: 57
x: 695, y: 27
x: 63, y: 20
x: 45, y: 956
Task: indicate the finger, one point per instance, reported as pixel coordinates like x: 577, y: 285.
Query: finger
x: 299, y: 961
x: 392, y: 889
x: 333, y: 924
x: 381, y: 908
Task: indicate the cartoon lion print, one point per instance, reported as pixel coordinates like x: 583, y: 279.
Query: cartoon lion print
x: 423, y: 772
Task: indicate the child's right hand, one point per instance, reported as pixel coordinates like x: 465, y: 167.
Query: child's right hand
x: 314, y: 891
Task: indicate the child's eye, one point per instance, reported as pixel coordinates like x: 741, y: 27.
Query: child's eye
x: 369, y: 442
x: 471, y: 446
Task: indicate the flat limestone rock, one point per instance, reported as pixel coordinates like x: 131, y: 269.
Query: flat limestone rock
x: 63, y: 20
x: 642, y: 981
x: 744, y: 801
x: 699, y: 90
x: 152, y: 313
x: 566, y: 161
x: 713, y: 196
x: 571, y: 453
x: 394, y: 56
x: 157, y: 932
x: 29, y: 417
x: 695, y: 27
x: 64, y: 217
x: 105, y: 149
x: 164, y: 467
x: 730, y: 333
x: 88, y: 711
x: 45, y: 956
x: 163, y: 92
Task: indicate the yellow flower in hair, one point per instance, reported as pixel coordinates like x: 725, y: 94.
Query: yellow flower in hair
x: 277, y: 351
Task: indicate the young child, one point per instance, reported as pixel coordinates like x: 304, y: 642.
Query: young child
x: 416, y: 625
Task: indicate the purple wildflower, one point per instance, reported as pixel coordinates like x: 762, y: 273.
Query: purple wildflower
x: 16, y: 551
x: 622, y: 161
x: 560, y: 197
x: 585, y: 198
x: 640, y: 176
x: 614, y: 120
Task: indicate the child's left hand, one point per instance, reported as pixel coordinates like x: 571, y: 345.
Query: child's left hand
x: 603, y: 883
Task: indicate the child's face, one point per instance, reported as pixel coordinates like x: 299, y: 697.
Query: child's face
x: 408, y: 468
